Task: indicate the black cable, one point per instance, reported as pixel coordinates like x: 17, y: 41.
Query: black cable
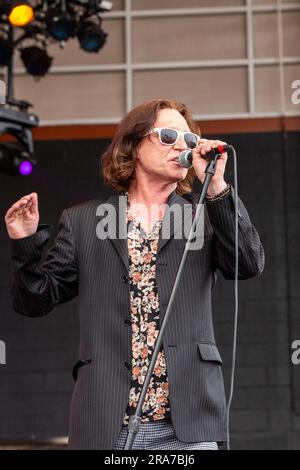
x: 234, y: 341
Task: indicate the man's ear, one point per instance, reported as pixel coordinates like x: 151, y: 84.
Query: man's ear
x: 137, y: 152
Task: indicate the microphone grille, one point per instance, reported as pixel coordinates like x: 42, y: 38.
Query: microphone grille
x: 185, y: 159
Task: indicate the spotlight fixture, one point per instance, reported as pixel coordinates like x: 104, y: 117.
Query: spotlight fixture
x: 21, y: 14
x: 91, y: 37
x: 60, y: 25
x: 16, y: 158
x: 36, y: 60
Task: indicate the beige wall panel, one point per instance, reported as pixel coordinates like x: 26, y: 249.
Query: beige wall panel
x: 167, y: 4
x: 189, y: 38
x: 112, y: 52
x: 204, y: 91
x: 118, y: 5
x: 291, y: 73
x: 274, y: 2
x: 291, y: 33
x: 74, y: 96
x: 266, y: 35
x: 267, y: 89
x: 264, y: 2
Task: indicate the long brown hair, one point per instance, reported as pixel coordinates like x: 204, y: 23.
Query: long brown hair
x: 119, y: 160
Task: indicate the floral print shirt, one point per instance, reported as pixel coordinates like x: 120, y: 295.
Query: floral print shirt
x: 142, y: 250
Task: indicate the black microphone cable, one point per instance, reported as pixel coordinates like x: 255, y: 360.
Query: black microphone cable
x: 236, y: 296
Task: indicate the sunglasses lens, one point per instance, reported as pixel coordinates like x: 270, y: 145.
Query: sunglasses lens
x: 168, y: 136
x: 190, y: 140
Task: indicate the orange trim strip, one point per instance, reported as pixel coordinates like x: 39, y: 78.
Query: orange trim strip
x: 239, y: 126
x: 77, y: 132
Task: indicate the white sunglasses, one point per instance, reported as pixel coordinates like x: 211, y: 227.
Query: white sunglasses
x: 168, y: 136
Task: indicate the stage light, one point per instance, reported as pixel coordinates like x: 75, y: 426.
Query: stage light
x: 60, y: 25
x: 16, y: 157
x: 36, y: 60
x: 21, y: 14
x: 14, y: 160
x: 91, y: 37
x: 25, y: 168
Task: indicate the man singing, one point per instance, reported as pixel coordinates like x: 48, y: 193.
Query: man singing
x: 123, y: 284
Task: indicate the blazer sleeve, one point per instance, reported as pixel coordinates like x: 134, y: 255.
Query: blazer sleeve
x: 251, y: 253
x: 37, y: 287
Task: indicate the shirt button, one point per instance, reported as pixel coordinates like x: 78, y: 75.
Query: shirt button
x: 127, y: 365
x: 127, y: 322
x: 125, y: 279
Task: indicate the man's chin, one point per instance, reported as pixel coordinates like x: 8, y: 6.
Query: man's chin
x: 179, y: 174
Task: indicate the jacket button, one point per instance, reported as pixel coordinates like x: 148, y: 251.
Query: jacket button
x: 125, y: 279
x: 127, y: 365
x: 127, y: 322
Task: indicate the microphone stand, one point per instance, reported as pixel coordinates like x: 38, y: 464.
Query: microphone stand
x: 135, y: 420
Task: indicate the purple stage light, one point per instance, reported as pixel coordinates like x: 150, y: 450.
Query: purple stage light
x: 25, y: 168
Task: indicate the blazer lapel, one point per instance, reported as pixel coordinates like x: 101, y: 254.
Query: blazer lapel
x: 117, y: 228
x: 177, y: 219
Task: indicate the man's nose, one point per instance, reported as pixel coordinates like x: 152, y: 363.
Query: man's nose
x: 180, y: 144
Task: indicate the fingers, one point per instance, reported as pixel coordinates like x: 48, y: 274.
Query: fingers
x: 34, y: 203
x: 206, y: 146
x: 25, y: 203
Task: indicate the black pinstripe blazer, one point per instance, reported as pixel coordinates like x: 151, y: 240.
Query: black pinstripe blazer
x: 80, y: 264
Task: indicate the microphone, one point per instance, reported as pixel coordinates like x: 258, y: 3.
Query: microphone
x: 185, y: 158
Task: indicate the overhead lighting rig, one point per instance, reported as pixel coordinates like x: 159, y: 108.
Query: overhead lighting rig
x: 44, y: 22
x: 30, y: 27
